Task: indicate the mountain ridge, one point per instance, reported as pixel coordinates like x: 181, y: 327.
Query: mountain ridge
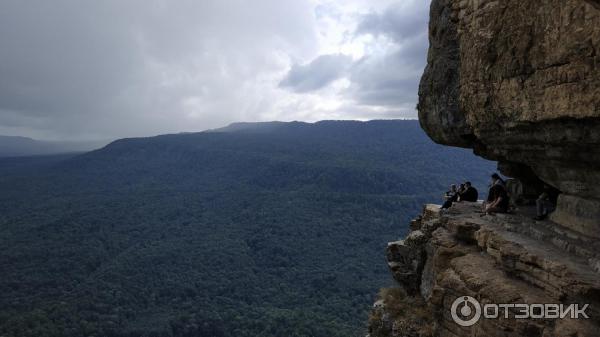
x: 215, y: 234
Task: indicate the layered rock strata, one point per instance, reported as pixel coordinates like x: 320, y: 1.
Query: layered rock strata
x: 519, y: 82
x: 500, y: 259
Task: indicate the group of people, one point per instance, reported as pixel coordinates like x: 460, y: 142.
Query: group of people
x: 465, y: 192
x: 498, y: 199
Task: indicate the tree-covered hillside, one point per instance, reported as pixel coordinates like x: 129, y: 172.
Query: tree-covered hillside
x: 274, y: 229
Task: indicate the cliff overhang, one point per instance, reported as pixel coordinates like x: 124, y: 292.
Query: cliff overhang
x: 519, y: 82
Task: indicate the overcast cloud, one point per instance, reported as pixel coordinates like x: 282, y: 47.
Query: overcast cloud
x: 71, y: 69
x: 317, y: 74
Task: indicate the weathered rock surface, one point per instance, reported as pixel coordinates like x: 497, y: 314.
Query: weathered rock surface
x: 498, y: 259
x: 519, y: 82
x: 396, y: 314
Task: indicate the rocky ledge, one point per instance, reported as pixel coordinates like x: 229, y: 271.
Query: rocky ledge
x: 501, y: 259
x: 519, y: 82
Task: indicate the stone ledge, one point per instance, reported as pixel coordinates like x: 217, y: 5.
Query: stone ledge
x: 460, y: 252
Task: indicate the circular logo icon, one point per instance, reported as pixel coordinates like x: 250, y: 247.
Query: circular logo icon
x: 465, y: 311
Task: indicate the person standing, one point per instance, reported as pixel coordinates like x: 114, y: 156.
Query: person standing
x: 546, y: 202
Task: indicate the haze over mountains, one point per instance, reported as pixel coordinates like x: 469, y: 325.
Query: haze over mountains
x: 12, y: 146
x: 270, y: 229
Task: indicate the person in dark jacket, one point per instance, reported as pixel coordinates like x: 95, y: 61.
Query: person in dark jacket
x: 546, y: 203
x: 451, y: 196
x: 497, y: 180
x: 469, y: 194
x: 497, y: 201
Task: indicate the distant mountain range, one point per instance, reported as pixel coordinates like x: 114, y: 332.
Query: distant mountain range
x: 12, y: 146
x: 253, y: 230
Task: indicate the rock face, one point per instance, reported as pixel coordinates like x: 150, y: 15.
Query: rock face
x: 500, y: 259
x: 519, y: 82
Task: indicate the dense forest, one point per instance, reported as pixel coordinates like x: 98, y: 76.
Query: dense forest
x: 273, y: 229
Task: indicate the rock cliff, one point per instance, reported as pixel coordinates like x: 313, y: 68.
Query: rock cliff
x: 519, y: 82
x: 501, y: 259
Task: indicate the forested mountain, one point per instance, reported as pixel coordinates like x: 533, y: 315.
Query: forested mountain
x: 11, y: 146
x: 269, y: 229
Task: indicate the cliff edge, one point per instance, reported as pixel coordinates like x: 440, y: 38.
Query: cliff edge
x: 503, y: 262
x: 519, y: 82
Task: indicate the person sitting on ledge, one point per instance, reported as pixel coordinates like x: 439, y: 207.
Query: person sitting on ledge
x: 451, y: 196
x: 461, y: 189
x: 450, y: 192
x: 469, y: 194
x: 497, y: 201
x: 546, y: 202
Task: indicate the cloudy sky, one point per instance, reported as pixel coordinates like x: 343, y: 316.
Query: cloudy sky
x: 72, y: 69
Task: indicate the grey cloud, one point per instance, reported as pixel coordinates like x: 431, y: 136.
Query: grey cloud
x: 71, y: 69
x: 102, y: 69
x: 401, y: 21
x: 317, y: 74
x: 386, y: 80
x: 391, y: 79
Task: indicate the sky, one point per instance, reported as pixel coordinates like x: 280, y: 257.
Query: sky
x: 95, y: 70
